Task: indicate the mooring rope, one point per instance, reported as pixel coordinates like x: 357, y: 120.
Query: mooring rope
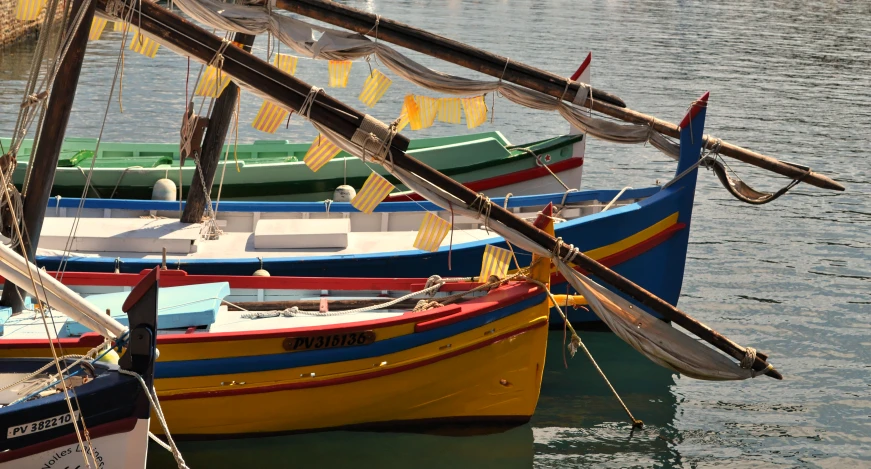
x: 158, y: 411
x: 576, y: 342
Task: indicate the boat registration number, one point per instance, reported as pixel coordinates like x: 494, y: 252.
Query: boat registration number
x: 317, y: 342
x: 41, y: 425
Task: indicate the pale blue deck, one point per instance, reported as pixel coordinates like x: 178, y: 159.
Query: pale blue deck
x: 178, y: 307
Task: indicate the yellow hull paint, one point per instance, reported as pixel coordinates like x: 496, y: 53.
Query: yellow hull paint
x: 492, y: 373
x: 466, y: 376
x: 497, y: 381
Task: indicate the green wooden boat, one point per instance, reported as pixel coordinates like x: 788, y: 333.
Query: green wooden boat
x: 274, y: 170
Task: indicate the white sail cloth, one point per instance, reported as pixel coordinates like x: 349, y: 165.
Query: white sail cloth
x: 340, y: 45
x: 49, y: 290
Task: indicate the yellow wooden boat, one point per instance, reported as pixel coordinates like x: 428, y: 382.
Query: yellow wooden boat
x: 476, y: 363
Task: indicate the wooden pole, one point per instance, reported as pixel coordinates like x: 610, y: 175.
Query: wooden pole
x: 326, y: 110
x: 516, y: 72
x: 45, y: 156
x: 213, y: 143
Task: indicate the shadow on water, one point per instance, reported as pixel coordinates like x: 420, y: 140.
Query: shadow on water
x: 577, y: 419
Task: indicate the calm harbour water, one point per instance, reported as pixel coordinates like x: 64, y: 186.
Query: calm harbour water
x: 792, y: 278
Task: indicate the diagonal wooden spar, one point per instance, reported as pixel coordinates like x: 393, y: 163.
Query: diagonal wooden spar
x: 201, y: 45
x: 516, y: 72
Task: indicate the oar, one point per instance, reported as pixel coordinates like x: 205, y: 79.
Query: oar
x: 289, y: 91
x: 521, y: 74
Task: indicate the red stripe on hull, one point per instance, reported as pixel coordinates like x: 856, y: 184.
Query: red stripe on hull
x: 503, y: 180
x: 351, y: 379
x: 695, y: 108
x: 119, y: 426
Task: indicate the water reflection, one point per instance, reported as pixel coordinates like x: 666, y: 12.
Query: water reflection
x: 578, y: 420
x: 510, y: 449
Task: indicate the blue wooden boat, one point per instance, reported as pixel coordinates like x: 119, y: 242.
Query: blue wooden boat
x: 640, y: 233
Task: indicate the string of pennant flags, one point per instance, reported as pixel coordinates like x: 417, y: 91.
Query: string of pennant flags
x: 418, y: 112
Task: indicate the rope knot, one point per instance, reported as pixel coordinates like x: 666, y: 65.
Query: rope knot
x: 574, y: 344
x: 434, y: 281
x: 375, y: 139
x: 34, y: 98
x: 424, y: 305
x: 748, y: 361
x: 749, y: 358
x: 482, y: 205
x: 306, y: 106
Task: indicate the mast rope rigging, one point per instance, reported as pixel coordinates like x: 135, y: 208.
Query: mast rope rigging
x: 68, y: 245
x: 576, y: 343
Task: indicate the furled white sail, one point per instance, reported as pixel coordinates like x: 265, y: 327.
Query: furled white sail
x: 655, y: 339
x: 49, y: 290
x: 334, y: 44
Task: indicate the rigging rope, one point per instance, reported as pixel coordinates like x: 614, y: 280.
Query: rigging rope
x: 577, y: 342
x: 158, y: 411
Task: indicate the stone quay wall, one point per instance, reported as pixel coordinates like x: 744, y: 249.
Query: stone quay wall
x: 13, y: 30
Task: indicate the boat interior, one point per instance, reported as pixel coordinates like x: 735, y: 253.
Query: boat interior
x: 216, y: 307
x: 143, y: 229
x: 78, y: 151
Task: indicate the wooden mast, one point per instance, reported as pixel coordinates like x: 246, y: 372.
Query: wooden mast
x: 516, y: 72
x: 341, y: 118
x: 45, y: 157
x: 213, y: 143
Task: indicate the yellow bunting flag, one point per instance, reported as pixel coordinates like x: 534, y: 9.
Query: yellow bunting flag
x: 403, y: 120
x: 271, y: 115
x: 427, y: 109
x: 476, y: 111
x: 374, y: 190
x: 410, y: 113
x: 118, y: 26
x: 374, y: 88
x: 209, y: 84
x: 97, y: 27
x: 28, y: 10
x: 339, y: 71
x: 495, y: 262
x: 320, y: 153
x: 143, y: 45
x: 286, y: 63
x: 431, y: 233
x: 449, y: 110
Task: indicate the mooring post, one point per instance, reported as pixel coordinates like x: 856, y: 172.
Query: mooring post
x: 213, y: 143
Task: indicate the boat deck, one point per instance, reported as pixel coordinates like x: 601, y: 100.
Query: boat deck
x: 184, y: 243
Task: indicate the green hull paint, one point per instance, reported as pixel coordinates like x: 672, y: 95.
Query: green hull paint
x: 274, y: 169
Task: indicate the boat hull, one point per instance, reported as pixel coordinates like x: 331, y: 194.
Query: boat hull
x: 645, y: 241
x: 276, y: 171
x: 123, y: 444
x: 438, y: 392
x: 40, y: 433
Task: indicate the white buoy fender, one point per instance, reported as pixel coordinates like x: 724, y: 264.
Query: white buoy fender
x: 344, y: 193
x: 164, y: 189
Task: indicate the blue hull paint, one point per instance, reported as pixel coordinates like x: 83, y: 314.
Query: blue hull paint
x: 282, y: 361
